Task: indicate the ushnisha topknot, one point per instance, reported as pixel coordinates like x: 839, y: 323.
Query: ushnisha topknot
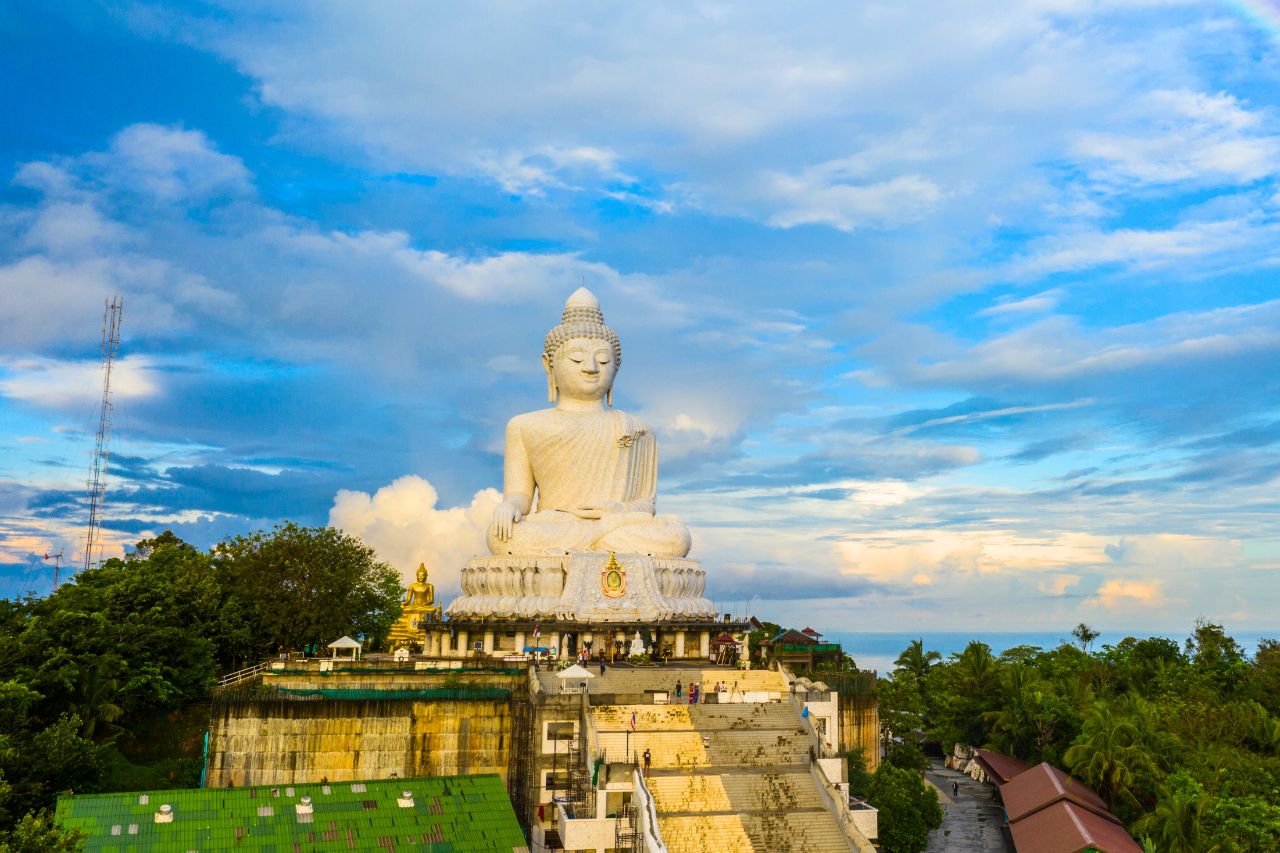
x: 582, y: 318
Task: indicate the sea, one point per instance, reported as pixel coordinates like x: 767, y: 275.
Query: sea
x: 879, y: 649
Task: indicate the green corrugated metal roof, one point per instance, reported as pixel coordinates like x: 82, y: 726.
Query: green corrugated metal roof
x: 449, y: 815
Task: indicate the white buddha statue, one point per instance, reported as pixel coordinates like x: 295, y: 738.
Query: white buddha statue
x: 592, y: 470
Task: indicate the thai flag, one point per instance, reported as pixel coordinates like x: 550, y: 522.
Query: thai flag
x: 633, y: 721
x: 537, y: 630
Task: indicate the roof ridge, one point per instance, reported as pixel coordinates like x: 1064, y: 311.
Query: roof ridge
x: 1053, y: 777
x: 1084, y: 832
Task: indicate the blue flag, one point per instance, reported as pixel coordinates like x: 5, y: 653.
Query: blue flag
x: 805, y: 712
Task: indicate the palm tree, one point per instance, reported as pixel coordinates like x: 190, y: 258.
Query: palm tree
x: 976, y: 667
x: 1024, y: 722
x: 915, y: 660
x: 1176, y: 825
x: 1108, y: 755
x: 94, y: 704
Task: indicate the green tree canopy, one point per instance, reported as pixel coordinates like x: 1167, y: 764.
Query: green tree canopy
x: 908, y: 808
x: 300, y: 585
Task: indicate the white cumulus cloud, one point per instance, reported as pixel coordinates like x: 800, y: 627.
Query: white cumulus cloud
x: 402, y: 522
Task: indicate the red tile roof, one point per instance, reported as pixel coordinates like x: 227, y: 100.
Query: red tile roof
x: 1065, y: 827
x: 1000, y: 768
x: 1043, y: 785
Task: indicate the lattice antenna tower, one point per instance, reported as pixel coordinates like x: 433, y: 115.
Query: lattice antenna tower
x: 112, y: 314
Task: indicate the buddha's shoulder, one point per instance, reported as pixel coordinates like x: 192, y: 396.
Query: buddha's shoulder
x: 550, y: 420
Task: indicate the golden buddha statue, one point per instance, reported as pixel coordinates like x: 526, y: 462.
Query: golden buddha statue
x: 417, y: 609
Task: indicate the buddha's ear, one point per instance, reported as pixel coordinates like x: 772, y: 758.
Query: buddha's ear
x: 552, y: 391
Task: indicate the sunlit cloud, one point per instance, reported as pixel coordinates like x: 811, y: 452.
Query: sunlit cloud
x: 1122, y: 593
x: 76, y: 384
x: 404, y: 524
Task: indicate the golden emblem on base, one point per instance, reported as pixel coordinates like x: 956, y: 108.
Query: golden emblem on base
x: 613, y: 578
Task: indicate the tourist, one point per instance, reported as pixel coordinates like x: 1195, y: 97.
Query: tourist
x: 647, y: 758
x: 677, y: 690
x: 955, y: 790
x: 602, y: 663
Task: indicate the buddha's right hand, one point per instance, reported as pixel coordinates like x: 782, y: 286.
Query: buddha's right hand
x: 505, y: 518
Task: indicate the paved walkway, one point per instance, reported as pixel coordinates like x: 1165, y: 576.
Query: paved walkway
x: 971, y: 822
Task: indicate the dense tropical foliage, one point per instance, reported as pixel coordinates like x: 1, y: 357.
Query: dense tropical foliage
x: 101, y: 682
x: 1182, y: 741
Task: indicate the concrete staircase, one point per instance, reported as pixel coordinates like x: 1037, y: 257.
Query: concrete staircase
x: 732, y: 777
x: 795, y: 832
x: 626, y: 679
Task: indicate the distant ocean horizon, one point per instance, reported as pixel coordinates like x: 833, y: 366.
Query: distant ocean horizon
x: 879, y: 649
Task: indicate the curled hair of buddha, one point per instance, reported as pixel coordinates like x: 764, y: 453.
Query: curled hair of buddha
x: 582, y: 318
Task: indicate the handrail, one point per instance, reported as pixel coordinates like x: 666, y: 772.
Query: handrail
x: 648, y: 831
x: 535, y: 684
x: 589, y: 726
x: 806, y: 722
x: 244, y: 674
x: 838, y: 805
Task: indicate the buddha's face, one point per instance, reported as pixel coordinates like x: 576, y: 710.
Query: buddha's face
x: 584, y: 368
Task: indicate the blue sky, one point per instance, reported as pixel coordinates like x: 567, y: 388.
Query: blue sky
x: 946, y: 314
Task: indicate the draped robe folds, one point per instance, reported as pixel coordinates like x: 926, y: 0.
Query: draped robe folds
x: 570, y: 459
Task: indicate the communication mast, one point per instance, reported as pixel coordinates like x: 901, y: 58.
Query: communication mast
x: 112, y: 313
x: 57, y: 565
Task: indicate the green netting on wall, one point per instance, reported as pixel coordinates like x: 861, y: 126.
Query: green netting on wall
x: 369, y: 694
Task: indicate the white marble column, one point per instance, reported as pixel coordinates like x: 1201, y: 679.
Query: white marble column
x: 679, y: 644
x: 488, y: 642
x: 520, y: 644
x: 463, y: 650
x: 704, y: 644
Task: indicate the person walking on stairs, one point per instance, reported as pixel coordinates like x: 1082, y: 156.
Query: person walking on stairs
x: 647, y: 759
x: 955, y: 790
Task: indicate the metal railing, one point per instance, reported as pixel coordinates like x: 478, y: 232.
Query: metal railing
x: 252, y: 672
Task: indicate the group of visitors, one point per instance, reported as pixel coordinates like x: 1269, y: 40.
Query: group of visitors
x: 694, y: 692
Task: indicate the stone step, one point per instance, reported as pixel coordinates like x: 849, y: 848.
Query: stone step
x: 771, y: 715
x: 674, y: 749
x: 802, y: 832
x: 699, y: 833
x: 622, y: 679
x: 736, y: 792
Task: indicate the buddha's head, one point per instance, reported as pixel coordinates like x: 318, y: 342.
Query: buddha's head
x: 581, y: 355
x: 422, y: 572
